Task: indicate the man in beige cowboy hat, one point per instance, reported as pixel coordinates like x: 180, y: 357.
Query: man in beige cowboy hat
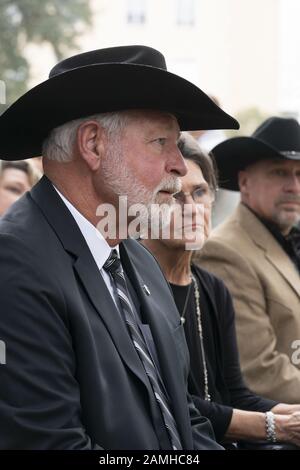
x: 257, y: 253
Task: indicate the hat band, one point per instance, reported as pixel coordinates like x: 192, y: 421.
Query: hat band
x: 291, y: 154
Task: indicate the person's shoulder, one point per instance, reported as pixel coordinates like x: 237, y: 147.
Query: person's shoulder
x: 13, y: 222
x: 219, y: 250
x: 23, y: 232
x: 228, y: 242
x: 20, y: 264
x: 225, y: 233
x: 21, y: 216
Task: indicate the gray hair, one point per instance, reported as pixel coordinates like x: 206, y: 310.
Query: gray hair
x: 59, y: 144
x: 191, y: 150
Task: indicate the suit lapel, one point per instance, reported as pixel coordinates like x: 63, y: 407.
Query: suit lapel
x: 64, y: 225
x: 99, y: 295
x: 273, y: 252
x: 164, y: 341
x: 281, y: 261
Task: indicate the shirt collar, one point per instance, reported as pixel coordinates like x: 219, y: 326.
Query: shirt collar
x: 97, y: 244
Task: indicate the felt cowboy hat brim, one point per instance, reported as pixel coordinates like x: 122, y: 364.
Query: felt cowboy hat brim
x: 276, y: 138
x: 88, y: 86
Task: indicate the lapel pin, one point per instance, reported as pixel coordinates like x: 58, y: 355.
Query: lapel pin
x: 146, y: 289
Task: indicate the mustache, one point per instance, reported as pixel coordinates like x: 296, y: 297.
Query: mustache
x: 171, y: 185
x: 289, y: 198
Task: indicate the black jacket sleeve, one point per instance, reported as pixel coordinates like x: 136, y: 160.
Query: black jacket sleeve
x: 219, y: 415
x: 234, y: 392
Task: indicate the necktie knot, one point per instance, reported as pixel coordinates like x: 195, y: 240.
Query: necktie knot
x: 113, y: 263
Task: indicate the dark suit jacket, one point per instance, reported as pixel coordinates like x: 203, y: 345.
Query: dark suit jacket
x: 72, y: 378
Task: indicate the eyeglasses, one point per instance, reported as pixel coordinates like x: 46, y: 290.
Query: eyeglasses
x: 202, y: 195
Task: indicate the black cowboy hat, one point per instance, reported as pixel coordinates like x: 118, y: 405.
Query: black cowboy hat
x: 100, y: 81
x: 275, y: 138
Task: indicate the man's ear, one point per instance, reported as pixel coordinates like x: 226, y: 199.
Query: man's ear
x: 243, y: 177
x: 91, y: 143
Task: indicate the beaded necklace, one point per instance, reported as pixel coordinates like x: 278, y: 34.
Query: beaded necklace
x: 194, y: 282
x: 200, y: 332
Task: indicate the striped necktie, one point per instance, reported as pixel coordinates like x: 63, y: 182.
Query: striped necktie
x: 114, y: 267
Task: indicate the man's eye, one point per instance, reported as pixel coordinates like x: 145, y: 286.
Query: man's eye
x: 161, y: 140
x: 279, y: 172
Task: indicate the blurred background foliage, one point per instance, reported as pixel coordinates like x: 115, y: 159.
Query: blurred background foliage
x: 55, y: 22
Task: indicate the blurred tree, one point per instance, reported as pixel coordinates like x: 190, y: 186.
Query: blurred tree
x: 56, y: 22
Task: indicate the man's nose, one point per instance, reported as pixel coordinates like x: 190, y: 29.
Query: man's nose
x: 176, y: 163
x: 293, y: 184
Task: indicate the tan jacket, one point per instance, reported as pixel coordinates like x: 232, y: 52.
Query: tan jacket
x: 265, y: 286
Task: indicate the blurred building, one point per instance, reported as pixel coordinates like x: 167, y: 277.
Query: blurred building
x: 244, y: 52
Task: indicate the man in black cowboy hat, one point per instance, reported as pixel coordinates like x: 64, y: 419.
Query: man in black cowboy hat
x: 95, y: 354
x: 257, y: 253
